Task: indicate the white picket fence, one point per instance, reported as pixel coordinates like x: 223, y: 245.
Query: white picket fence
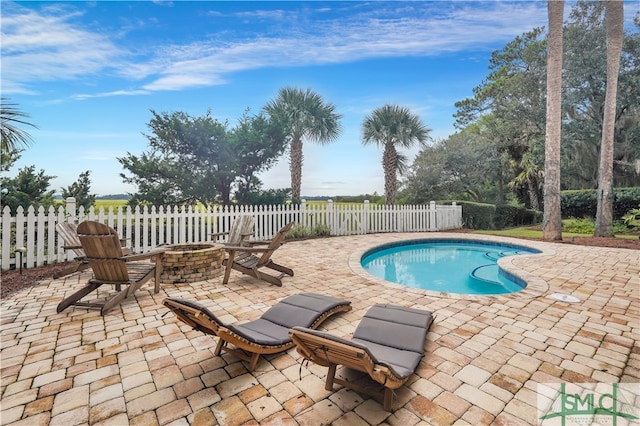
x: 147, y: 227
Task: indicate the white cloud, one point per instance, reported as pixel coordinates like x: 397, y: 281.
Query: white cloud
x: 44, y: 46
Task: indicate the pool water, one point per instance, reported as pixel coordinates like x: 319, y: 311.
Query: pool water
x: 451, y: 266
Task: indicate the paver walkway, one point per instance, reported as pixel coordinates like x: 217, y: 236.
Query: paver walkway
x: 486, y: 356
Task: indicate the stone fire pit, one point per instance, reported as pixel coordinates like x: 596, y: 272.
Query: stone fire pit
x: 187, y: 263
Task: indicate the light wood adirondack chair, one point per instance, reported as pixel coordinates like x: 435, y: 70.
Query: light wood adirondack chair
x: 245, y: 260
x: 240, y: 232
x: 111, y: 266
x: 68, y: 232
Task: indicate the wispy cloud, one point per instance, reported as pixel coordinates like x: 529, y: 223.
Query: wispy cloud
x: 53, y: 45
x: 46, y: 47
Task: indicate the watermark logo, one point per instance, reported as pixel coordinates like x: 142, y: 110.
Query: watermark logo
x: 568, y: 404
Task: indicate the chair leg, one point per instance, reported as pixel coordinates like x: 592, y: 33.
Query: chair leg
x: 388, y: 399
x: 228, y: 262
x: 158, y: 272
x: 331, y: 375
x: 77, y: 296
x: 268, y: 278
x: 219, y: 346
x: 114, y: 301
x: 255, y: 357
x: 280, y: 268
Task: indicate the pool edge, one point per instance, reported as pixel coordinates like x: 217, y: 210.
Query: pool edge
x: 536, y: 286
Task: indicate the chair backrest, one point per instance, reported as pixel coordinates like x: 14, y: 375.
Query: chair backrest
x: 274, y: 244
x: 326, y: 349
x: 69, y: 233
x: 240, y: 229
x: 102, y: 248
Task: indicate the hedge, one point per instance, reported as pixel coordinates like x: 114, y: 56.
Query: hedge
x: 583, y: 203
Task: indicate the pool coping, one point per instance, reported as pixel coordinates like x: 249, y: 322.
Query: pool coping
x: 536, y: 286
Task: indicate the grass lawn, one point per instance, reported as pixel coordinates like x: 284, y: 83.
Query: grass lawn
x: 529, y: 232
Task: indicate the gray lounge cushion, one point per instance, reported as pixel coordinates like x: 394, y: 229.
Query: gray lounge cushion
x: 272, y: 328
x: 395, y: 326
x: 395, y: 336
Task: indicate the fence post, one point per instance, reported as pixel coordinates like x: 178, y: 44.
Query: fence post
x: 70, y: 209
x: 330, y: 218
x: 433, y: 225
x: 365, y: 219
x: 303, y: 212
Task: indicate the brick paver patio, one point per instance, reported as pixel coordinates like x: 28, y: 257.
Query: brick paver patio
x: 484, y: 359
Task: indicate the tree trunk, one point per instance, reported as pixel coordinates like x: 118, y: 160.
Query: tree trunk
x: 614, y: 15
x: 389, y: 163
x: 295, y: 166
x: 552, y: 218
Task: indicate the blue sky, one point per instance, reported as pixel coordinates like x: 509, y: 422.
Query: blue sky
x: 88, y: 73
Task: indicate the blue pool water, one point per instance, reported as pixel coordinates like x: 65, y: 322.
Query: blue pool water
x: 451, y: 266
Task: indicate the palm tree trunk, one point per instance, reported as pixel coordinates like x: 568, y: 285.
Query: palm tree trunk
x: 552, y: 218
x: 389, y: 163
x: 614, y: 15
x: 295, y: 167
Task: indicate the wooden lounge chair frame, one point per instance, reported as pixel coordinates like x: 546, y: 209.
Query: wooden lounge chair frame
x: 231, y: 338
x: 330, y: 351
x: 245, y: 260
x: 111, y: 266
x: 240, y: 232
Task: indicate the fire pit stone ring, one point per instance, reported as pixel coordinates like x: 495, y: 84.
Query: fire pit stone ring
x: 191, y: 262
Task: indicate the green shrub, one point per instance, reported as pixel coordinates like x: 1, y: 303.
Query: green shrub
x: 584, y: 202
x: 297, y: 232
x: 508, y: 216
x: 321, y: 230
x: 477, y: 215
x: 579, y: 225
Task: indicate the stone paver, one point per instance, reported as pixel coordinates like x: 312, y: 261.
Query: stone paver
x: 485, y: 361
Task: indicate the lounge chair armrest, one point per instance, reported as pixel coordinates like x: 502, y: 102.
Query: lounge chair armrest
x: 71, y: 247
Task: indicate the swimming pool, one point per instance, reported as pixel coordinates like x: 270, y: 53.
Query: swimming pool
x: 446, y: 265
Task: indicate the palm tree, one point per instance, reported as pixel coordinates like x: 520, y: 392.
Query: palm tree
x: 12, y: 136
x: 306, y: 116
x: 614, y: 16
x: 391, y: 126
x: 552, y: 220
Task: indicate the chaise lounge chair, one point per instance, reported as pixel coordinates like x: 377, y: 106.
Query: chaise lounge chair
x: 387, y: 345
x: 111, y: 266
x: 245, y: 260
x: 265, y: 335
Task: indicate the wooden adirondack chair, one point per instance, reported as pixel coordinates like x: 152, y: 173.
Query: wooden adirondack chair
x: 111, y: 266
x: 245, y: 260
x: 240, y: 232
x: 68, y: 231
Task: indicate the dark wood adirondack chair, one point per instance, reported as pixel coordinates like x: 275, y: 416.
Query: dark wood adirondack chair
x: 246, y: 260
x: 110, y: 265
x: 68, y: 231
